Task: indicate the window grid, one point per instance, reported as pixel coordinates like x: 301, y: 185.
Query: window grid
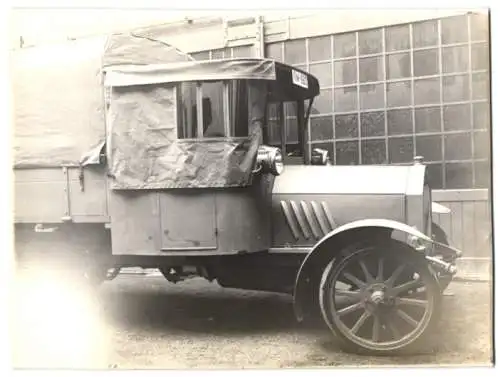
x: 332, y: 69
x: 442, y: 101
x: 471, y: 109
x: 384, y: 75
x: 338, y: 105
x: 358, y: 92
x: 412, y: 93
x: 441, y: 112
x: 390, y: 81
x: 407, y: 107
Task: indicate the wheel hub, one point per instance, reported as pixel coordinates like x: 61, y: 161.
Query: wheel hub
x: 377, y: 297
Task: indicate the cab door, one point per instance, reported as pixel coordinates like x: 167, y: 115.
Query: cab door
x: 187, y: 221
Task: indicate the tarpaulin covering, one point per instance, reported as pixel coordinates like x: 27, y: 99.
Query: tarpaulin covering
x: 63, y: 115
x: 231, y: 69
x: 134, y: 48
x: 58, y: 102
x: 59, y: 107
x: 144, y: 152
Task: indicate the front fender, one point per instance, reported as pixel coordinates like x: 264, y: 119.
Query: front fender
x: 343, y: 236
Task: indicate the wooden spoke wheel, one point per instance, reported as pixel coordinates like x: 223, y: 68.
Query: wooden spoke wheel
x: 380, y: 299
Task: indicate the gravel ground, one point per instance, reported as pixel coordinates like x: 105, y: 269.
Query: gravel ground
x: 145, y: 322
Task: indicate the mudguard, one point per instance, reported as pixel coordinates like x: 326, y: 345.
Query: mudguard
x: 416, y: 239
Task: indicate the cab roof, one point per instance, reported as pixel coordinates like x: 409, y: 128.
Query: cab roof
x: 286, y: 82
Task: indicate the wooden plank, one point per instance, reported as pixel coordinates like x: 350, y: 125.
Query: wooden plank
x: 90, y: 174
x: 468, y: 234
x: 456, y: 224
x: 436, y: 218
x: 93, y: 200
x: 482, y: 228
x: 90, y: 202
x: 445, y: 224
x: 460, y: 195
x: 43, y: 202
x: 39, y: 175
x: 489, y: 226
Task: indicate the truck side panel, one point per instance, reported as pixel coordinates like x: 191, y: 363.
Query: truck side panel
x: 196, y: 222
x: 88, y: 201
x: 135, y: 227
x: 40, y: 195
x: 54, y: 195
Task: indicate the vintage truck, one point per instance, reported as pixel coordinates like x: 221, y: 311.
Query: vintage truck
x: 130, y: 153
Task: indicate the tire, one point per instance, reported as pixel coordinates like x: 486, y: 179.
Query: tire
x: 376, y: 319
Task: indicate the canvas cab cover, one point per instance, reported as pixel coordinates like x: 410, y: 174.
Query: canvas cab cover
x: 141, y: 102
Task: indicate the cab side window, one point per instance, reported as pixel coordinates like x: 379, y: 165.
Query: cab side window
x: 187, y: 110
x: 239, y: 114
x: 283, y: 130
x: 213, y: 109
x: 221, y: 106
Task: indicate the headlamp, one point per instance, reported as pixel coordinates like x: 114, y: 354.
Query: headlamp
x: 270, y: 160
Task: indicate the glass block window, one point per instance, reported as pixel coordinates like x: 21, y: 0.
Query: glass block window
x: 346, y: 72
x: 344, y: 45
x: 373, y: 152
x: 454, y: 30
x: 323, y: 72
x: 426, y: 62
x: 275, y: 51
x: 399, y: 93
x: 390, y: 93
x: 320, y: 48
x: 371, y: 69
x: 428, y: 119
x: 401, y: 149
x: 370, y: 41
x: 346, y: 126
x: 398, y: 65
x: 346, y: 99
x: 321, y: 128
x: 372, y: 123
x: 397, y: 38
x: 399, y: 121
x: 455, y: 59
x: 456, y: 117
x: 295, y: 51
x: 425, y: 33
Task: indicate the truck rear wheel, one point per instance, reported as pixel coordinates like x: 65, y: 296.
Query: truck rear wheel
x: 380, y: 299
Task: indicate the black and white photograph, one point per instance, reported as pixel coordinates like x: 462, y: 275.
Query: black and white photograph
x: 229, y: 190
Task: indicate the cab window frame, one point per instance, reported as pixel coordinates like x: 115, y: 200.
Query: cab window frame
x: 191, y: 126
x: 281, y: 122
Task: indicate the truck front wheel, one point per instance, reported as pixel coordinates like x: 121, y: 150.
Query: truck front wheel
x: 380, y: 299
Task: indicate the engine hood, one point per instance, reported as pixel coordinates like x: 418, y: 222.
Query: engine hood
x: 358, y: 179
